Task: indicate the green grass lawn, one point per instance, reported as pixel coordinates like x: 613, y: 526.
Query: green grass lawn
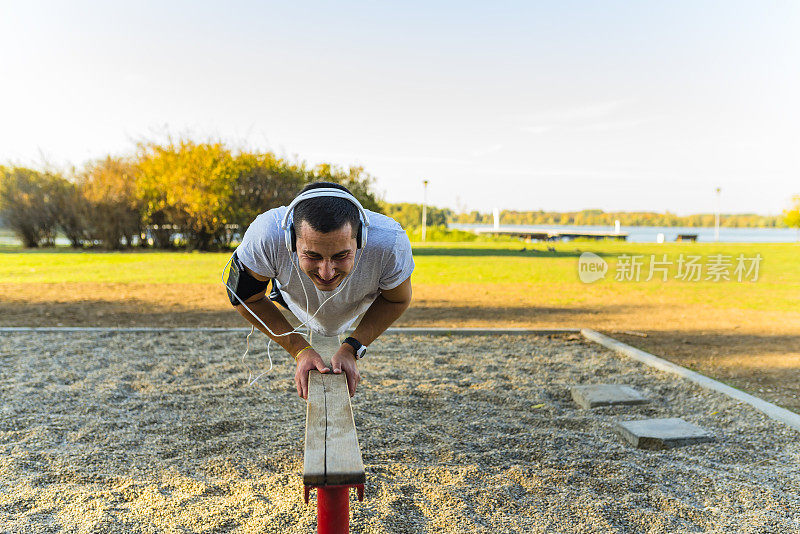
x: 530, y: 267
x: 65, y: 265
x: 777, y: 287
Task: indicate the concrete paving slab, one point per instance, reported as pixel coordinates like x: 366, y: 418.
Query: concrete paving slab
x: 593, y: 395
x: 656, y: 434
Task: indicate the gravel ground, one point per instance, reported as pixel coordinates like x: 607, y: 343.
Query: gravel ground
x: 115, y: 432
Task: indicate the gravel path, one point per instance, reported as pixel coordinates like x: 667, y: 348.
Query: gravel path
x: 111, y: 432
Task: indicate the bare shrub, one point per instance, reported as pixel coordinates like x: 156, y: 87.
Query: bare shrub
x: 27, y: 204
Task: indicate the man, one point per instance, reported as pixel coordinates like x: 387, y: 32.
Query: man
x: 329, y: 260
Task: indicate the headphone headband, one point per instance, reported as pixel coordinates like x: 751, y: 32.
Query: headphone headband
x: 323, y: 192
x: 288, y: 225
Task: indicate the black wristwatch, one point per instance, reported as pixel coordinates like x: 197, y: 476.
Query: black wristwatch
x: 358, y: 347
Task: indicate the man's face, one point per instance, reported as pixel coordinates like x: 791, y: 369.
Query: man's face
x: 326, y: 258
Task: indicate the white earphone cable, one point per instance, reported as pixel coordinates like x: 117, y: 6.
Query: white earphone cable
x: 296, y: 330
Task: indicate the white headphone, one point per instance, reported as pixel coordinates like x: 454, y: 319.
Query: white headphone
x: 290, y: 237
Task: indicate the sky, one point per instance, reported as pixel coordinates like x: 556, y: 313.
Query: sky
x: 561, y: 105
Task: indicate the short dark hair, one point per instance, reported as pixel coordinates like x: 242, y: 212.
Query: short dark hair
x: 326, y: 214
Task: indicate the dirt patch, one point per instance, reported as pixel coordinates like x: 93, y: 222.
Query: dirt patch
x: 758, y: 351
x: 126, y: 433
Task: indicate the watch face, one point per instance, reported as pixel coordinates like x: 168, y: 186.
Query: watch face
x: 360, y: 352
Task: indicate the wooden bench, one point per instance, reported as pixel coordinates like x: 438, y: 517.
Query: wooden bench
x: 333, y: 456
x: 686, y: 237
x: 332, y: 461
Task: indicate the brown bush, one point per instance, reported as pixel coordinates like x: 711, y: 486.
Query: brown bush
x: 28, y: 204
x: 114, y: 209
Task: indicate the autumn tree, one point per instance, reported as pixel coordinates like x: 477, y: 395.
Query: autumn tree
x: 791, y: 217
x: 187, y: 186
x: 108, y: 187
x: 73, y: 213
x: 356, y: 179
x: 263, y: 181
x: 410, y: 215
x: 201, y: 192
x: 27, y: 204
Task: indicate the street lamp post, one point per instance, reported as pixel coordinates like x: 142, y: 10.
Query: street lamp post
x: 716, y: 216
x: 424, y: 207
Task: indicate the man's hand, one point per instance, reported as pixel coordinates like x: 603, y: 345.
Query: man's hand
x: 345, y: 360
x: 309, y: 359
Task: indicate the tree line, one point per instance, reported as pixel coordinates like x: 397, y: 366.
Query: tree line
x: 202, y: 195
x: 181, y: 193
x: 410, y: 216
x: 626, y: 218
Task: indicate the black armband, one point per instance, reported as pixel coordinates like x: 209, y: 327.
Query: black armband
x: 241, y: 284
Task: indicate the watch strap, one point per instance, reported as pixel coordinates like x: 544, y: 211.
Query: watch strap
x: 359, y: 349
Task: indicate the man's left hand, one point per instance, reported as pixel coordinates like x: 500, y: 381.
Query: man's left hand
x: 345, y: 360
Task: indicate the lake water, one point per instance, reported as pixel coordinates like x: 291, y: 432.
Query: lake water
x: 649, y: 234
x: 12, y: 240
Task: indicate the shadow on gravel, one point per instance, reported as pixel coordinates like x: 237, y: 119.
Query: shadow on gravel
x: 122, y: 313
x: 133, y: 312
x: 766, y: 365
x: 422, y: 311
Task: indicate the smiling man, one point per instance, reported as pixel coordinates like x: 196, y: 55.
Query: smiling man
x: 328, y: 262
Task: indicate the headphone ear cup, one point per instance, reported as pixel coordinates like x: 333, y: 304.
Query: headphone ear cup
x: 360, y: 235
x: 293, y: 238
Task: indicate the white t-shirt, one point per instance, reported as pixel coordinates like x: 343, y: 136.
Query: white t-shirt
x: 384, y: 263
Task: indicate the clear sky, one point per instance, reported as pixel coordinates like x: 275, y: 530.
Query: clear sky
x: 554, y: 105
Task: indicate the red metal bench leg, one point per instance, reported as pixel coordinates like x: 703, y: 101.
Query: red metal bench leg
x: 333, y: 507
x: 333, y: 510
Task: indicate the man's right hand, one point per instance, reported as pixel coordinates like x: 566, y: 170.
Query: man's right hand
x: 308, y: 359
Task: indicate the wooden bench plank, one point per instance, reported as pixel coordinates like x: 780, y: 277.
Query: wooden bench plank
x: 316, y: 422
x: 326, y: 346
x: 332, y: 452
x: 343, y: 464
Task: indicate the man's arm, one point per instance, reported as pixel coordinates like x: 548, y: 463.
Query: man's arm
x: 384, y: 311
x: 272, y: 317
x: 293, y: 343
